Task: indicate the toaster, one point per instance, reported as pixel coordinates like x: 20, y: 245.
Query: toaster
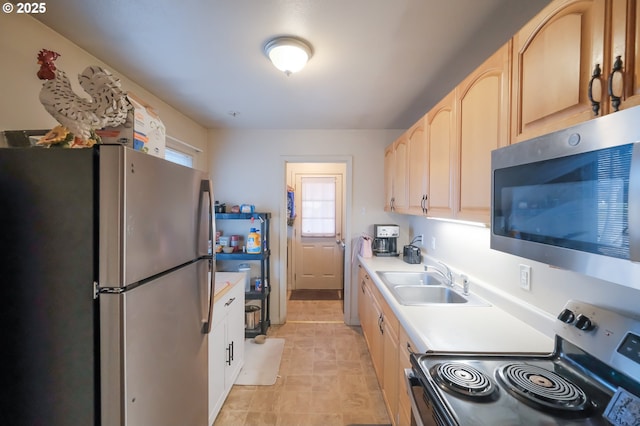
x: 411, y: 254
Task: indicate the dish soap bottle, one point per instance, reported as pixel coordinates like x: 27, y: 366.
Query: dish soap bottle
x: 253, y: 241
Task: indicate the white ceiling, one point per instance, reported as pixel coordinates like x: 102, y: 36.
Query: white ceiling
x: 377, y: 64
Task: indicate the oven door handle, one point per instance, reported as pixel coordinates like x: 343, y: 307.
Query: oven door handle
x: 412, y: 381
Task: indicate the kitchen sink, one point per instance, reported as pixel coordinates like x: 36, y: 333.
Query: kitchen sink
x: 424, y: 295
x: 394, y: 278
x: 421, y: 295
x: 425, y: 288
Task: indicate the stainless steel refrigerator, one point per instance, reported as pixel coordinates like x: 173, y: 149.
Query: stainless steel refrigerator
x: 105, y: 288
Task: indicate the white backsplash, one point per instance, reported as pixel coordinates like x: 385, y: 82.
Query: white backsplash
x: 466, y: 249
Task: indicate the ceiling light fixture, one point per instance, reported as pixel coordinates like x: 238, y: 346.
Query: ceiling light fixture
x: 288, y: 54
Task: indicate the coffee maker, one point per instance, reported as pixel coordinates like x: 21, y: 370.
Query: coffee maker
x: 385, y: 240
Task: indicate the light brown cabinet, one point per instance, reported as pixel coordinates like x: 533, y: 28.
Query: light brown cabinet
x: 417, y: 168
x: 405, y: 348
x: 574, y: 61
x: 380, y: 328
x: 625, y: 44
x: 482, y: 105
x: 448, y: 151
x: 370, y: 315
x: 389, y: 334
x: 440, y: 123
x: 395, y: 166
x: 405, y: 172
x: 389, y: 157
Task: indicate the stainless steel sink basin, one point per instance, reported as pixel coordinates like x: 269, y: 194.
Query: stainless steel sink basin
x: 394, y: 278
x: 423, y: 295
x: 425, y: 288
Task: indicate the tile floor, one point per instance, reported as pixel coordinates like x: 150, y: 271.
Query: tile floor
x: 326, y: 376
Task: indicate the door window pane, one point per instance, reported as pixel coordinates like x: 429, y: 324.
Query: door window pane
x: 318, y: 216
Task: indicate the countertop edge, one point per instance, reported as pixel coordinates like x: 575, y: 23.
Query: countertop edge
x: 224, y: 281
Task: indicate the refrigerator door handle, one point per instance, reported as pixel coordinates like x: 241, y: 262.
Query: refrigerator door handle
x: 205, y: 186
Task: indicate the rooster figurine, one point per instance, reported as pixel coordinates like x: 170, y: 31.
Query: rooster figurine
x: 78, y: 116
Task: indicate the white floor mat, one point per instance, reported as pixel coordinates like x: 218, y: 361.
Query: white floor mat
x: 261, y: 362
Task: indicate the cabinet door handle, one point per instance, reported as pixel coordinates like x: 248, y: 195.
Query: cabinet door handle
x: 232, y: 354
x: 615, y: 100
x: 380, y: 321
x: 228, y: 361
x: 230, y: 301
x: 425, y: 209
x: 595, y: 105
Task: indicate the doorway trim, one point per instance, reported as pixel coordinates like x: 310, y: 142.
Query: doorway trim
x: 348, y: 187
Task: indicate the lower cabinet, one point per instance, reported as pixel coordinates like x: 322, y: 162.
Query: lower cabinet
x: 405, y: 348
x: 381, y: 330
x: 226, y: 346
x: 390, y: 385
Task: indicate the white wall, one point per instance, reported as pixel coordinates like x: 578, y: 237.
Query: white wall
x: 466, y: 249
x: 247, y: 166
x: 21, y: 38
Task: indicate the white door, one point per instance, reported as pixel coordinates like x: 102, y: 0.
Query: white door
x: 318, y: 248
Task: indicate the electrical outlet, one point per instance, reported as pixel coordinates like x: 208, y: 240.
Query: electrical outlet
x: 525, y: 277
x: 433, y: 243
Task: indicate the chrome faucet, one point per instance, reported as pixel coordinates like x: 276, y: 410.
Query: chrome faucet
x: 446, y: 274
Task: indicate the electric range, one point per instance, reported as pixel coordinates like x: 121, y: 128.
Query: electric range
x: 591, y: 378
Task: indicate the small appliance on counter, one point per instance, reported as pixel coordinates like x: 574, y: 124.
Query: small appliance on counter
x: 385, y: 240
x: 411, y: 254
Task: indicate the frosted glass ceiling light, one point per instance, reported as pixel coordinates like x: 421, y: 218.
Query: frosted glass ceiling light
x: 288, y: 54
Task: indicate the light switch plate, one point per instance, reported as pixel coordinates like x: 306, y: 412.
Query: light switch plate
x: 525, y: 277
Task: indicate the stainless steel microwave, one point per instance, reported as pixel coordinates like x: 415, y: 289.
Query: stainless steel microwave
x: 571, y: 198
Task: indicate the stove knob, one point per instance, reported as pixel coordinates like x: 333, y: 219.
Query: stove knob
x: 566, y: 316
x: 583, y: 323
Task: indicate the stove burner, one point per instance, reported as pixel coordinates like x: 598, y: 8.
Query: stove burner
x: 463, y: 379
x: 541, y: 387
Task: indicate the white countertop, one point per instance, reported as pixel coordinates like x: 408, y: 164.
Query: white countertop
x: 456, y: 327
x: 224, y: 281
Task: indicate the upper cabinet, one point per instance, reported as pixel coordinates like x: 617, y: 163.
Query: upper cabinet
x: 555, y: 55
x: 417, y: 162
x: 447, y: 154
x: 573, y: 62
x: 482, y: 103
x: 389, y: 156
x: 441, y: 140
x: 624, y: 49
x: 395, y: 178
x: 405, y: 165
